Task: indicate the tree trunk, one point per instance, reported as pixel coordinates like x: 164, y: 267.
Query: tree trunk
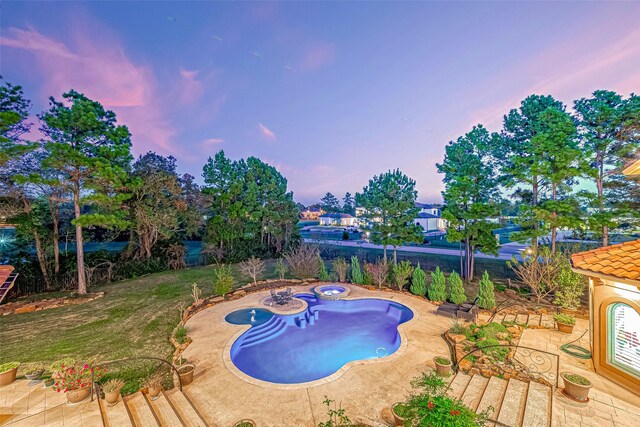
x: 42, y: 261
x: 55, y: 220
x: 473, y: 261
x: 600, y: 186
x: 82, y: 278
x: 395, y: 256
x: 554, y: 216
x: 385, y: 252
x: 534, y: 204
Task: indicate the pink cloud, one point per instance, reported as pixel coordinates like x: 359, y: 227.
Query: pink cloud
x: 99, y: 68
x: 212, y: 142
x: 266, y: 132
x: 192, y: 89
x: 317, y: 56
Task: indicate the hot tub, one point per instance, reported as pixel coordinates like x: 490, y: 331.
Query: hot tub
x: 331, y: 291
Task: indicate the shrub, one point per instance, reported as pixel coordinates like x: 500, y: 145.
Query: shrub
x: 223, y: 280
x: 77, y: 377
x: 356, y: 272
x: 567, y: 319
x: 337, y: 415
x: 575, y: 378
x: 340, y: 267
x: 486, y: 297
x: 367, y: 278
x: 303, y: 261
x: 419, y: 281
x: 442, y: 360
x: 345, y: 235
x: 253, y: 267
x: 401, y: 273
x: 323, y: 275
x: 438, y: 287
x: 456, y: 289
x: 6, y: 367
x: 112, y: 385
x: 181, y: 334
x: 491, y: 330
x: 458, y: 328
x: 570, y: 286
x: 499, y: 353
x: 378, y: 272
x: 280, y: 268
x: 539, y: 271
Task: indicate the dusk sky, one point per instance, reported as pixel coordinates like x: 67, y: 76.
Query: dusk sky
x: 328, y: 93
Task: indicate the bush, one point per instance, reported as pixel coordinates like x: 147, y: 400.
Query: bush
x: 181, y: 334
x: 486, y: 296
x: 438, y: 288
x: 401, y: 273
x: 419, y: 281
x: 379, y: 272
x: 567, y: 319
x: 280, y: 268
x: 367, y: 278
x: 303, y: 261
x: 323, y: 275
x: 340, y: 268
x: 570, y: 286
x: 499, y: 353
x: 456, y: 289
x: 345, y: 235
x: 491, y: 330
x: 223, y: 280
x: 356, y: 272
x: 253, y: 267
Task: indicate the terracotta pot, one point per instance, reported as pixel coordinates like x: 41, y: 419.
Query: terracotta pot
x: 186, y: 373
x: 442, y: 369
x: 34, y: 375
x: 77, y: 396
x: 154, y: 392
x: 112, y: 397
x: 579, y: 392
x: 8, y: 377
x: 245, y: 421
x: 399, y: 421
x: 563, y: 327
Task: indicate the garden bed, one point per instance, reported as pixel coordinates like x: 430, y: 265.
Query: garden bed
x: 19, y: 307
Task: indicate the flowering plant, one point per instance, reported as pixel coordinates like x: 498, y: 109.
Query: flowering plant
x: 76, y: 377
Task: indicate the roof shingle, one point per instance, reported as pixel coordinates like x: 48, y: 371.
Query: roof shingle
x: 621, y: 260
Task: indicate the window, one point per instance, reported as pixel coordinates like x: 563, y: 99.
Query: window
x: 623, y: 338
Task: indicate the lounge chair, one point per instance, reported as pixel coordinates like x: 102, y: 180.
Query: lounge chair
x: 466, y: 311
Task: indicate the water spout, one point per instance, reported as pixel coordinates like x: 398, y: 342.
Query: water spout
x: 253, y: 318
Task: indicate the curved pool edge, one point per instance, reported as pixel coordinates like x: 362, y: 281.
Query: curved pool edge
x: 404, y: 342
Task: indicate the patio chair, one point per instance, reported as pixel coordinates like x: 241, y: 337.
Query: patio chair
x: 465, y: 311
x: 276, y: 298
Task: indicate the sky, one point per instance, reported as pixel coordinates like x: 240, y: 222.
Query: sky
x: 329, y: 93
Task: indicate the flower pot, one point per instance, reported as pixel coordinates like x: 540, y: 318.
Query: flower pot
x: 112, y: 396
x: 8, y: 377
x: 444, y: 370
x: 186, y: 373
x: 48, y: 383
x: 35, y: 375
x: 245, y: 423
x: 575, y: 390
x: 154, y: 392
x: 563, y: 327
x: 77, y: 396
x: 399, y: 421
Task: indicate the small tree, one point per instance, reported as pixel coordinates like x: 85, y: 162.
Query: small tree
x: 486, y: 297
x: 253, y: 267
x: 378, y: 272
x: 323, y: 274
x: 570, y: 285
x: 303, y: 261
x: 419, y: 281
x: 438, y: 287
x: 401, y: 273
x: 539, y: 271
x: 340, y: 267
x: 367, y: 279
x: 195, y: 293
x: 456, y: 289
x: 223, y: 280
x: 356, y: 272
x: 280, y: 268
x: 175, y: 256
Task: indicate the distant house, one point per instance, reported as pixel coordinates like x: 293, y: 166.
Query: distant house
x: 429, y: 218
x: 338, y: 219
x: 312, y: 213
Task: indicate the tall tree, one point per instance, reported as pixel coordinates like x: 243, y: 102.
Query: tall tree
x: 470, y: 195
x: 348, y: 204
x: 91, y: 154
x: 196, y: 204
x: 389, y: 203
x: 606, y: 124
x: 330, y: 203
x: 14, y: 112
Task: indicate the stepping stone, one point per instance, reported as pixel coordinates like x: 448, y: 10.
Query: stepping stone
x: 164, y: 412
x: 509, y: 318
x: 184, y: 409
x: 458, y: 385
x: 141, y: 412
x: 493, y: 396
x: 512, y: 407
x: 522, y: 319
x: 537, y: 411
x: 534, y: 320
x: 547, y: 321
x: 474, y: 391
x: 117, y: 415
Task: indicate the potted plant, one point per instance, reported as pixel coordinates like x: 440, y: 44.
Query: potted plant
x: 154, y: 385
x: 48, y: 382
x: 576, y: 386
x: 34, y: 371
x: 565, y: 322
x: 112, y: 390
x: 443, y: 366
x: 400, y: 412
x: 245, y: 423
x: 76, y: 381
x: 185, y: 371
x: 8, y: 372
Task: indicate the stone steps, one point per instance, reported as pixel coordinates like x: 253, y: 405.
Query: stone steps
x: 493, y: 395
x: 513, y: 404
x: 458, y: 385
x: 474, y: 391
x: 140, y: 411
x: 538, y: 410
x: 116, y: 415
x: 185, y: 410
x: 164, y: 412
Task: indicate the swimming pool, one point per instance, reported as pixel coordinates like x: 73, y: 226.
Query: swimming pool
x: 317, y: 342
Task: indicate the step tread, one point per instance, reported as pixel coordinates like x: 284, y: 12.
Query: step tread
x: 474, y: 391
x: 141, y: 412
x: 117, y: 415
x: 458, y: 385
x: 184, y: 409
x: 164, y: 412
x: 512, y: 407
x: 509, y: 318
x: 492, y: 396
x: 547, y: 321
x: 537, y: 411
x: 522, y: 319
x: 534, y: 320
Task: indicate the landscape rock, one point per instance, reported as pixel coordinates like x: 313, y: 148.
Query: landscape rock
x: 457, y: 338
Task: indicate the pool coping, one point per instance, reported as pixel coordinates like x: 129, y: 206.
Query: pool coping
x: 404, y: 342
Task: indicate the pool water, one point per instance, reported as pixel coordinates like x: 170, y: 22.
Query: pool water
x: 243, y: 317
x: 317, y: 342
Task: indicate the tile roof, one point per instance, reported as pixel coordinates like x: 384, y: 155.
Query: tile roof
x: 633, y: 169
x: 337, y: 215
x: 621, y: 261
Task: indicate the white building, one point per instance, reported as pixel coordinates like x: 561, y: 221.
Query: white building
x: 338, y: 219
x: 429, y: 218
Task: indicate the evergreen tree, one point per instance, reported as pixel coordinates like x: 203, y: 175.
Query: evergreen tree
x: 456, y: 289
x: 419, y: 281
x: 438, y: 287
x: 401, y: 273
x: 14, y: 112
x: 323, y: 274
x: 349, y: 204
x: 356, y: 272
x: 330, y: 203
x: 486, y: 297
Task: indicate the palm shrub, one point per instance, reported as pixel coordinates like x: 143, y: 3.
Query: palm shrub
x: 438, y: 287
x: 401, y: 273
x: 486, y: 297
x: 419, y: 281
x: 456, y: 289
x: 356, y: 272
x: 323, y: 274
x: 340, y: 268
x: 223, y: 280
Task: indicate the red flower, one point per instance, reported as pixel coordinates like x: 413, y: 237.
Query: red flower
x: 430, y: 405
x: 455, y: 412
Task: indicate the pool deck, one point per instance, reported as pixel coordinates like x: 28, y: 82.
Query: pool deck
x: 224, y: 395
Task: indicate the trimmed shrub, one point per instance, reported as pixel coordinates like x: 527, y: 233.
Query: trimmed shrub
x: 356, y: 272
x: 486, y: 297
x: 419, y: 281
x: 401, y: 273
x: 340, y: 268
x: 438, y: 287
x: 280, y: 268
x: 456, y: 289
x: 323, y: 274
x: 499, y: 353
x: 303, y: 261
x: 223, y: 280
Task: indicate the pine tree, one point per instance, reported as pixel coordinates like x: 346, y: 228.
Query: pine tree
x: 419, y: 281
x: 486, y: 297
x: 323, y: 275
x: 356, y: 272
x: 438, y: 287
x: 456, y: 289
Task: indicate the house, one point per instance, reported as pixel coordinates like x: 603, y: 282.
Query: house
x: 312, y: 213
x: 338, y: 219
x: 429, y: 218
